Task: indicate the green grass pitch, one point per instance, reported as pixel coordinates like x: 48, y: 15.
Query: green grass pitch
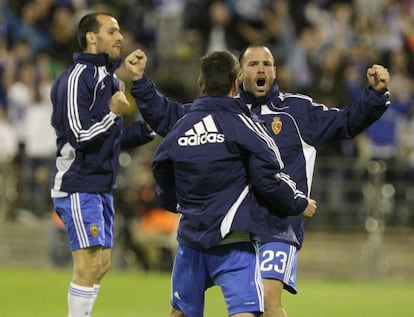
x: 42, y: 293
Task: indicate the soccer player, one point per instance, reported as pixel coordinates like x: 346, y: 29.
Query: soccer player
x: 299, y: 126
x: 207, y: 168
x: 88, y: 103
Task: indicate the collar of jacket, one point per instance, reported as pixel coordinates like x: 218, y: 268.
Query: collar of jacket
x: 249, y: 98
x: 101, y: 59
x: 221, y: 103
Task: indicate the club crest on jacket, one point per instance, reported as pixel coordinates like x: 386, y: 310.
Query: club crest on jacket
x: 276, y: 125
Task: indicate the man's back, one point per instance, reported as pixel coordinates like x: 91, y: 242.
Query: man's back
x: 205, y: 167
x: 210, y: 169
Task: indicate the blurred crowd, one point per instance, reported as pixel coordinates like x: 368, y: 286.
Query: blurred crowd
x: 322, y: 49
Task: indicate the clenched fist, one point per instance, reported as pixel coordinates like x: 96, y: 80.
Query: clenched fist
x: 135, y: 64
x: 119, y: 103
x: 310, y: 209
x: 378, y: 77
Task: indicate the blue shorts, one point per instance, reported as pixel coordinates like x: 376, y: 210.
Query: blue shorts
x: 278, y: 261
x: 88, y: 219
x: 234, y: 267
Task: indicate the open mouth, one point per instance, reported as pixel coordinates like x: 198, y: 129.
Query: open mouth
x: 260, y: 82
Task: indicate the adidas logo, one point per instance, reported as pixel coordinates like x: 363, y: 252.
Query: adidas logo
x: 202, y: 132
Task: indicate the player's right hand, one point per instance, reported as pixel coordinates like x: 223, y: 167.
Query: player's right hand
x: 119, y: 103
x: 310, y: 209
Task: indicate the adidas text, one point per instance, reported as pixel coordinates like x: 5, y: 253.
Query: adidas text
x: 199, y: 139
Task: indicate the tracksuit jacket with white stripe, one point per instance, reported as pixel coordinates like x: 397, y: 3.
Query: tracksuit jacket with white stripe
x: 210, y: 163
x: 89, y: 135
x: 298, y: 125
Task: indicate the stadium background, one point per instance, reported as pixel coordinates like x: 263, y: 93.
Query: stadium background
x: 365, y: 222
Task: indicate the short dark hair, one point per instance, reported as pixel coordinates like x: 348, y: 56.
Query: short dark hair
x: 241, y: 55
x: 218, y: 71
x: 88, y: 23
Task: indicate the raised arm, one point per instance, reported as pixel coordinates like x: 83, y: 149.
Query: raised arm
x: 156, y: 109
x: 324, y: 125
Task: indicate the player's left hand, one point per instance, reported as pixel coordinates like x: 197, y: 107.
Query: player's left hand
x: 135, y: 64
x: 378, y: 77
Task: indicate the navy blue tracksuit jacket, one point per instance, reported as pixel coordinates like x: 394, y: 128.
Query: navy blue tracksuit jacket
x: 208, y: 166
x: 89, y: 136
x: 298, y: 125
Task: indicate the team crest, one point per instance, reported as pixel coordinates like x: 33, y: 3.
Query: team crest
x: 94, y: 230
x: 276, y: 125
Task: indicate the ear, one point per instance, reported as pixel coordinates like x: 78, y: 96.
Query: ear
x: 235, y: 88
x: 200, y: 83
x: 240, y: 76
x: 91, y: 38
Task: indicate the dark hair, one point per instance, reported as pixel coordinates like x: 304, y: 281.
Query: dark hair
x: 218, y: 71
x: 88, y: 23
x: 241, y: 55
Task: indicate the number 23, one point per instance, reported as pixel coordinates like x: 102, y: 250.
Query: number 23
x: 273, y: 261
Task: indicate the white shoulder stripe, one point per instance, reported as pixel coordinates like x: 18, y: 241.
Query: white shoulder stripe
x: 262, y: 133
x: 73, y: 111
x: 72, y: 96
x: 286, y: 95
